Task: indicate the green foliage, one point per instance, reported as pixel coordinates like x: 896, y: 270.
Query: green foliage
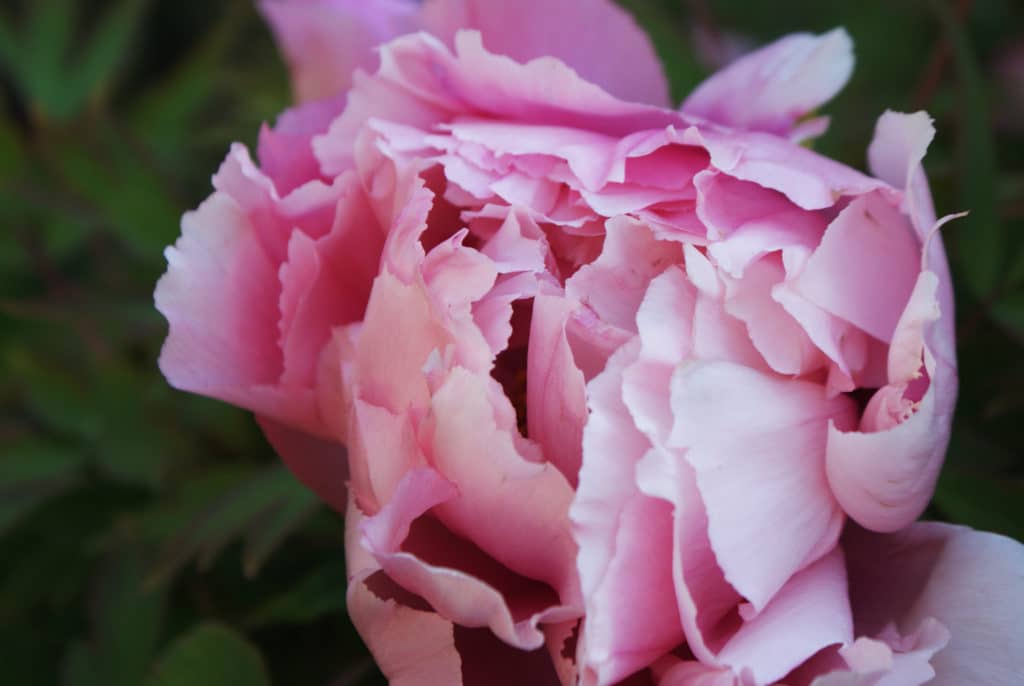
x: 210, y: 655
x: 150, y: 537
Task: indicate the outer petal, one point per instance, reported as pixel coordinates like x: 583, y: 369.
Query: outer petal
x: 771, y: 88
x: 809, y: 613
x: 320, y: 465
x: 757, y: 444
x: 421, y: 83
x: 972, y: 582
x: 598, y: 39
x: 885, y: 479
x: 326, y: 40
x: 625, y: 538
x: 865, y: 267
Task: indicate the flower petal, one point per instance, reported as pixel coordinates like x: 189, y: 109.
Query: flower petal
x: 629, y: 606
x: 771, y: 88
x: 757, y: 444
x: 613, y: 52
x: 326, y: 40
x: 970, y: 581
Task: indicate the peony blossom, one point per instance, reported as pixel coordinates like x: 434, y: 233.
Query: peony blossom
x: 610, y: 392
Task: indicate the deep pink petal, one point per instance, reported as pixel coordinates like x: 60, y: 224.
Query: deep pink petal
x: 320, y: 465
x: 286, y: 150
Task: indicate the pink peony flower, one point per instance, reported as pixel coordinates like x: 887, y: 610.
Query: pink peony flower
x: 629, y: 394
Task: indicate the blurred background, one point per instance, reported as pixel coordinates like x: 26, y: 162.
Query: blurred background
x: 150, y: 537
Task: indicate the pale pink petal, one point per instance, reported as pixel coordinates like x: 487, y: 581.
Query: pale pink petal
x: 458, y: 580
x: 885, y: 479
x: 598, y: 39
x: 422, y: 84
x: 717, y: 335
x: 382, y: 447
x: 972, y: 582
x: 507, y: 504
x: 865, y: 268
x: 518, y: 246
x: 899, y: 146
x: 310, y: 208
x: 692, y: 673
x: 590, y: 155
x: 809, y: 613
x: 779, y: 338
x: 424, y: 651
x: 898, y: 660
x: 411, y: 646
x: 224, y: 344
x: 555, y: 392
x: 707, y: 603
x: 227, y: 339
x: 771, y: 88
x: 324, y: 41
x: 630, y: 607
x: 751, y: 221
x: 757, y: 444
x: 389, y: 366
x: 615, y: 283
x: 895, y: 155
x: 808, y: 179
x: 665, y: 322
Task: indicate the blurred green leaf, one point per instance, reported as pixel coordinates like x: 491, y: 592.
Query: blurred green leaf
x: 47, y: 41
x: 262, y: 507
x: 1008, y: 311
x: 54, y: 395
x: 165, y: 111
x: 981, y: 501
x: 321, y: 592
x: 107, y: 49
x: 56, y: 76
x: 1015, y: 274
x: 980, y: 241
x: 32, y: 472
x: 126, y: 625
x: 210, y: 655
x: 10, y: 53
x: 126, y: 190
x: 13, y: 161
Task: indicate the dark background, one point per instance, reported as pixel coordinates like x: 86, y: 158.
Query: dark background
x: 150, y: 537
